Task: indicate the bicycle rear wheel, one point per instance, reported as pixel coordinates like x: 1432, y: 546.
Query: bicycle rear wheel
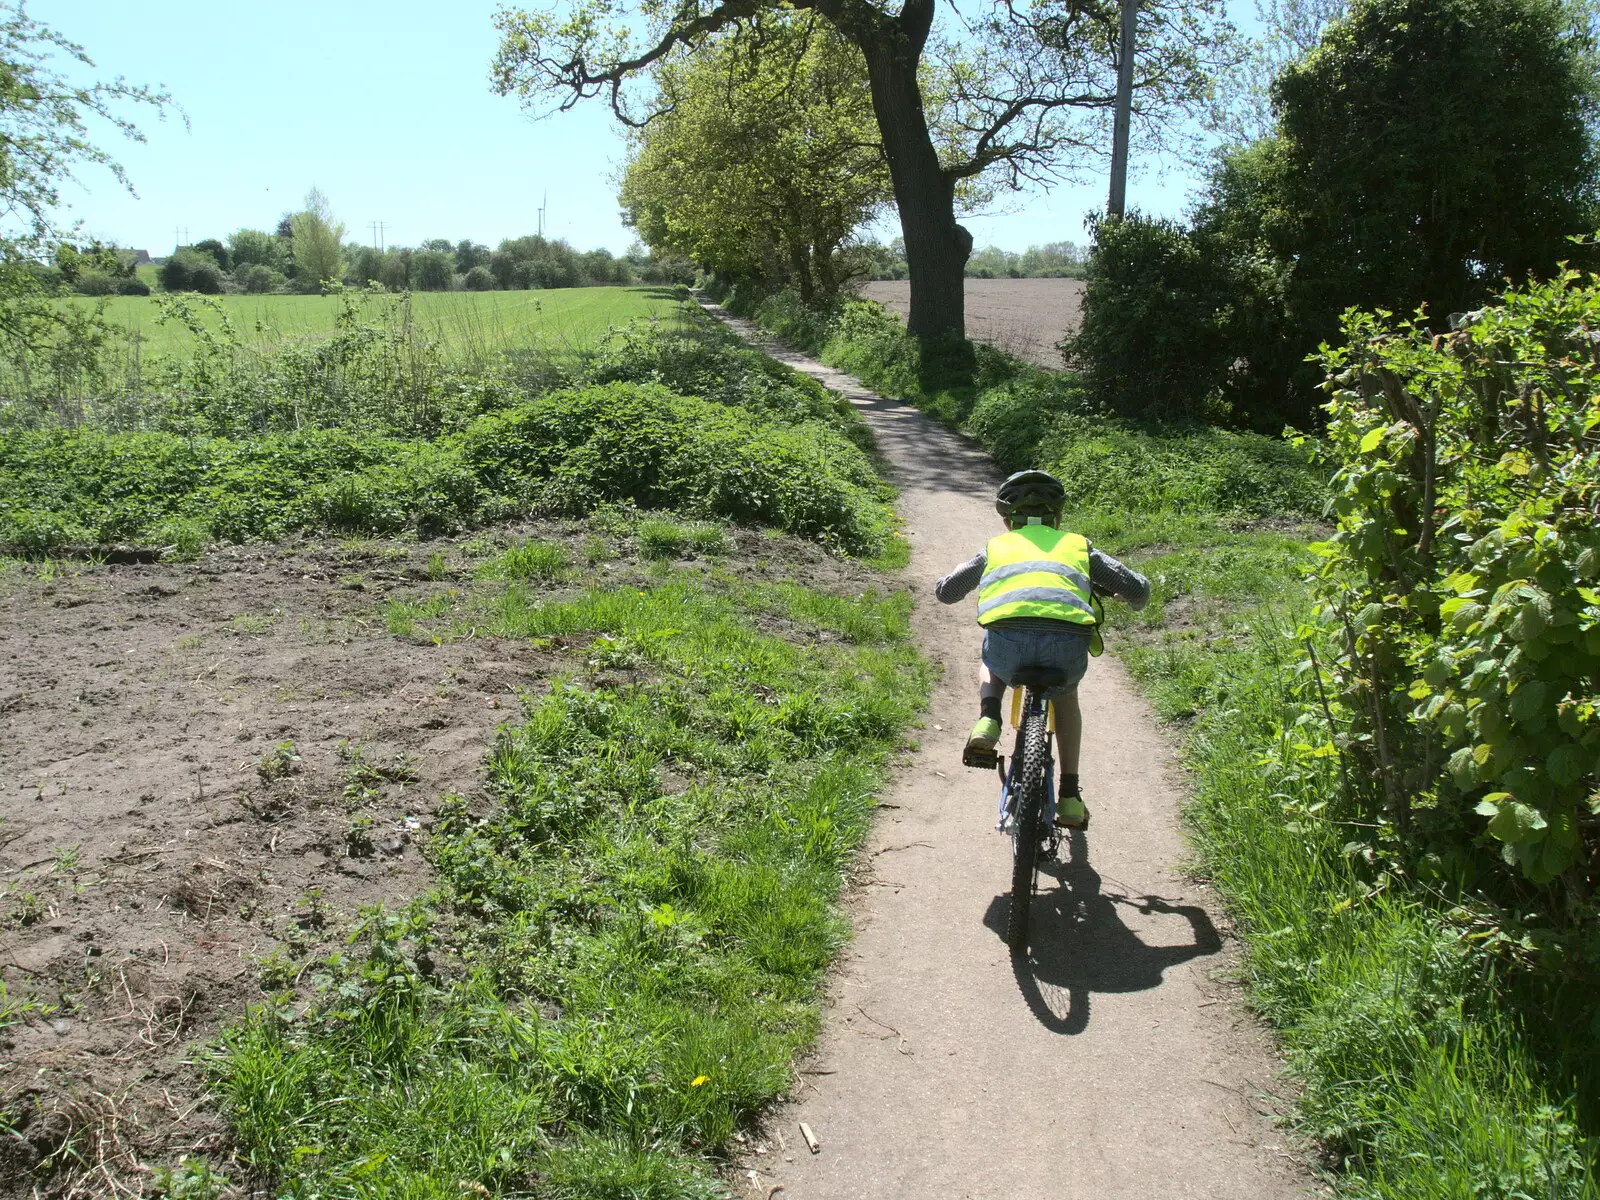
x: 1026, y: 816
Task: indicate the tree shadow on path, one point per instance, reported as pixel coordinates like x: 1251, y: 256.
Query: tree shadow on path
x: 1080, y: 944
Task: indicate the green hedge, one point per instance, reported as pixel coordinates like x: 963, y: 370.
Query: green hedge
x: 1460, y: 597
x: 566, y: 451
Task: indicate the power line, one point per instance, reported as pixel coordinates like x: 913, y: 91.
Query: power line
x: 377, y: 235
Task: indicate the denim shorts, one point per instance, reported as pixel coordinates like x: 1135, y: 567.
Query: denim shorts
x: 1007, y: 651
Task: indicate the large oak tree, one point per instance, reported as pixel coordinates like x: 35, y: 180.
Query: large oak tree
x: 1026, y: 88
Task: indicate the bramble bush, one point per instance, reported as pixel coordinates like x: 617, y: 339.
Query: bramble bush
x: 1460, y: 591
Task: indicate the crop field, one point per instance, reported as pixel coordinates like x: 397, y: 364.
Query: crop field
x: 572, y: 317
x: 1026, y: 317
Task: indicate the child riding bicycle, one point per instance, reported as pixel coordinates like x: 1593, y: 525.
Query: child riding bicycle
x: 1036, y: 584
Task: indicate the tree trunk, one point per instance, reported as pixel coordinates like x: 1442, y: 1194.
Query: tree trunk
x: 800, y: 269
x: 937, y: 246
x: 822, y: 264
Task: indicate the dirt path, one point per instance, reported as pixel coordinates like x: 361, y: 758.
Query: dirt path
x: 1117, y: 1061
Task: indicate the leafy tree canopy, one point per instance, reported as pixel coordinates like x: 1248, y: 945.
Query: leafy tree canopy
x: 1290, y: 29
x: 249, y: 247
x: 1422, y: 152
x: 1431, y: 148
x: 765, y: 158
x: 44, y: 142
x: 318, y: 237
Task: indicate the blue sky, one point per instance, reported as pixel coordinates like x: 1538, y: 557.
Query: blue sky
x: 386, y: 108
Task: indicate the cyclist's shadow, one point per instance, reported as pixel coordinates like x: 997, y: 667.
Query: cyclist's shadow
x: 1080, y: 944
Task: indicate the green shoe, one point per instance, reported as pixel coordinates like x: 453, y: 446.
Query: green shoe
x: 1071, y: 812
x: 984, y: 734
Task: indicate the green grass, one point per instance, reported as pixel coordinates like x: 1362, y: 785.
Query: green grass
x: 667, y: 538
x: 529, y: 559
x: 571, y: 318
x: 622, y: 957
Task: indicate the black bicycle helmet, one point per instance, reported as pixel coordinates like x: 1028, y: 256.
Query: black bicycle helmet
x: 1031, y: 494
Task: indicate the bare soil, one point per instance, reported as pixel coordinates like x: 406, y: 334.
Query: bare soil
x: 208, y: 769
x: 1025, y: 317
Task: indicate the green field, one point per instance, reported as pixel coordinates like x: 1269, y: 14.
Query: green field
x: 571, y: 317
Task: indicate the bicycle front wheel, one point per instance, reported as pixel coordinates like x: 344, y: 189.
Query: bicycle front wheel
x: 1026, y: 819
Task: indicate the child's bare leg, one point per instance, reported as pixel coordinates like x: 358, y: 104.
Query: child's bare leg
x: 988, y: 686
x: 1069, y: 732
x: 987, y: 731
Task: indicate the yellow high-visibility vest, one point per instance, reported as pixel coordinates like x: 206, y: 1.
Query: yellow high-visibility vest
x: 1036, y: 571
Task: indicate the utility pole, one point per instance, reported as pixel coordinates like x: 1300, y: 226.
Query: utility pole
x: 1124, y: 114
x: 377, y: 235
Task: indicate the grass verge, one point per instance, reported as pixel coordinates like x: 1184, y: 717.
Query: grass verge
x: 623, y: 951
x: 1425, y: 1074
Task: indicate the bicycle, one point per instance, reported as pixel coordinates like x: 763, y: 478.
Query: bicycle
x: 1027, y: 800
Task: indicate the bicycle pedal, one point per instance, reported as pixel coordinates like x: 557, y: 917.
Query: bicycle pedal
x: 986, y: 760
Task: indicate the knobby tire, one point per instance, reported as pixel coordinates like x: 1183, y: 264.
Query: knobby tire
x: 1027, y: 813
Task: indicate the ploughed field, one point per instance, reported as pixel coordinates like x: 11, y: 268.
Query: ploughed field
x: 1026, y: 317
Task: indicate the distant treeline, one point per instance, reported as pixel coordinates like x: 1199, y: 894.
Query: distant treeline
x: 306, y: 249
x: 1050, y: 261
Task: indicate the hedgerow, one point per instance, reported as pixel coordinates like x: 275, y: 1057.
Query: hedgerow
x: 567, y: 451
x: 1459, y: 597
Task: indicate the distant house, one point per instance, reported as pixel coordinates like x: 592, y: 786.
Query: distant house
x: 141, y: 258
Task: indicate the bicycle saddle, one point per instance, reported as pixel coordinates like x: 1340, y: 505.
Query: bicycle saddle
x: 1039, y: 678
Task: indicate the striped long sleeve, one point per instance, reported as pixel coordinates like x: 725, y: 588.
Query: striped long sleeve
x: 1110, y: 578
